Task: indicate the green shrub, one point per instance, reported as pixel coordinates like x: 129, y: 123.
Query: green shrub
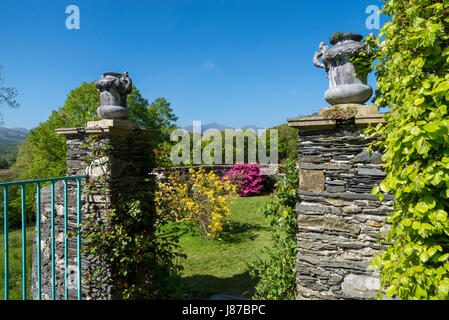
x: 276, y: 274
x: 413, y: 81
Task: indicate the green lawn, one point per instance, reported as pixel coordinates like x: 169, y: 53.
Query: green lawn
x: 213, y: 267
x: 15, y: 264
x: 210, y: 267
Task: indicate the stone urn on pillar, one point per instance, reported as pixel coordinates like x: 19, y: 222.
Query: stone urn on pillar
x: 346, y: 86
x: 113, y: 88
x: 120, y: 175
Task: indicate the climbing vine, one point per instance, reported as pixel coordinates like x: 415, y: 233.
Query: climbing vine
x: 363, y: 60
x: 138, y: 256
x: 413, y: 81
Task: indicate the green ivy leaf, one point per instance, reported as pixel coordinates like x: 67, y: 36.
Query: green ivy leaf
x: 391, y: 291
x: 443, y: 257
x: 377, y: 261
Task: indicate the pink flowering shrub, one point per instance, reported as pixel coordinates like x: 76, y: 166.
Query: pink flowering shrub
x: 247, y: 178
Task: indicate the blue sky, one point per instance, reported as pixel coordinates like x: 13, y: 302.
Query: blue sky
x: 234, y: 62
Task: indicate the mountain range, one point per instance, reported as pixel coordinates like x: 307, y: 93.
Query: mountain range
x: 13, y: 135
x: 221, y: 127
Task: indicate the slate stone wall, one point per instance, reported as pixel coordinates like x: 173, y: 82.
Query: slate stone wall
x: 129, y: 162
x: 338, y: 219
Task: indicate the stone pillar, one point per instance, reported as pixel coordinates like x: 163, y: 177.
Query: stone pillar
x: 338, y: 218
x: 130, y: 162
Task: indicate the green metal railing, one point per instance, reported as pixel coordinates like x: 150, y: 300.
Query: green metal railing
x: 38, y: 183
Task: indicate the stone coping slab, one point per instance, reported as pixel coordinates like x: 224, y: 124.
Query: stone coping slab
x: 344, y: 195
x: 365, y: 116
x: 111, y: 126
x: 107, y: 123
x: 362, y: 110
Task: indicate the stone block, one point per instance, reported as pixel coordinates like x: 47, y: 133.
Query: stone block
x: 363, y: 157
x: 360, y: 286
x: 311, y: 180
x: 334, y: 188
x: 106, y: 123
x: 328, y: 223
x: 370, y: 172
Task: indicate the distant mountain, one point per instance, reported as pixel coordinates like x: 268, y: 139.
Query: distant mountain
x: 220, y: 127
x: 253, y: 127
x: 13, y: 136
x: 23, y: 130
x: 205, y: 127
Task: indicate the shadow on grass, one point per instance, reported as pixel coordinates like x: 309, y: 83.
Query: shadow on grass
x: 234, y: 232
x: 202, y: 287
x: 237, y: 232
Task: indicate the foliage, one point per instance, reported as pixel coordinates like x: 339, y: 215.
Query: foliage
x: 162, y: 155
x: 159, y: 115
x: 17, y: 172
x: 141, y: 258
x: 288, y: 141
x: 8, y: 154
x: 277, y: 273
x: 7, y: 95
x: 246, y: 177
x: 4, y: 163
x: 363, y: 60
x: 199, y: 197
x: 413, y: 81
x: 339, y: 112
x: 287, y: 146
x: 15, y: 264
x: 338, y: 34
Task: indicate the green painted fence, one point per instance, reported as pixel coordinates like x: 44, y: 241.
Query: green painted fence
x: 37, y: 184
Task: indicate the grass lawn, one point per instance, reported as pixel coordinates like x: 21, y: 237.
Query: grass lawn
x: 212, y: 267
x: 15, y: 264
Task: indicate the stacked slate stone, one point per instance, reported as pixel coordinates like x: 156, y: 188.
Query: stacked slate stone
x: 339, y: 220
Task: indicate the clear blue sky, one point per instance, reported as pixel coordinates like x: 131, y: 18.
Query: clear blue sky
x: 234, y: 62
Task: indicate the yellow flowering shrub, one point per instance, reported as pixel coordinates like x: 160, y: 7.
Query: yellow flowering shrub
x: 199, y: 197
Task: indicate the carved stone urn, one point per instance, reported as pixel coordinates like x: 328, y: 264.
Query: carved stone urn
x: 113, y: 88
x: 344, y: 85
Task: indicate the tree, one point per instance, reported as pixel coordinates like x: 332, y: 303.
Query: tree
x: 7, y: 95
x: 158, y: 115
x: 19, y: 171
x: 288, y: 142
x: 413, y: 81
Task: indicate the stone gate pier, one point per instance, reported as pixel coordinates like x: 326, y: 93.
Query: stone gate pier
x: 339, y: 220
